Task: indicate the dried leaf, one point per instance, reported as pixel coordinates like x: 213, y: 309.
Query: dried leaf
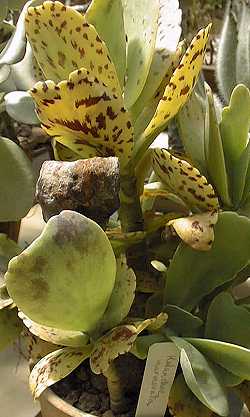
x: 56, y: 336
x: 56, y: 366
x: 117, y: 342
x: 197, y: 230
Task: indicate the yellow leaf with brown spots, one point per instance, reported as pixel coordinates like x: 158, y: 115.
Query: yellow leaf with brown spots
x: 85, y: 116
x: 62, y: 153
x: 63, y: 41
x: 56, y: 366
x: 184, y: 180
x: 181, y: 83
x: 119, y: 341
x: 196, y: 231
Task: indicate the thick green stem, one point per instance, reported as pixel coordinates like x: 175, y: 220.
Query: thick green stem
x: 130, y: 212
x: 118, y: 401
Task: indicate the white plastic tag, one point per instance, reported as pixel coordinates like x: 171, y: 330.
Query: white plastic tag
x: 157, y: 381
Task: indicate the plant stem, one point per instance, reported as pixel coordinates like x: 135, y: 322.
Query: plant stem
x: 130, y: 212
x: 118, y: 401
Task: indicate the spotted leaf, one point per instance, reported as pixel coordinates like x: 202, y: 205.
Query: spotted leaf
x: 168, y: 35
x: 141, y: 22
x: 181, y: 84
x: 184, y: 180
x: 197, y: 230
x: 63, y: 41
x: 85, y: 116
x: 56, y: 366
x: 62, y: 153
x: 116, y: 342
x: 56, y: 336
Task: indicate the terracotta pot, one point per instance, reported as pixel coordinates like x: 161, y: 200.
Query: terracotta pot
x: 54, y: 406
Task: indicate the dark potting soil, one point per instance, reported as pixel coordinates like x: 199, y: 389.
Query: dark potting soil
x: 89, y: 392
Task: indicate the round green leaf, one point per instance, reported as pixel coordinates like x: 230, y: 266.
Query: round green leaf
x: 16, y: 182
x: 65, y: 278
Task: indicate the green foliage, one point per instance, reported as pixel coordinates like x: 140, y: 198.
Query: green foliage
x: 74, y: 246
x: 16, y: 175
x: 193, y: 275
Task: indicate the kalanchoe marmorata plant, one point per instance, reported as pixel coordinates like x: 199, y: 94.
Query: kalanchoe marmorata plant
x: 164, y: 266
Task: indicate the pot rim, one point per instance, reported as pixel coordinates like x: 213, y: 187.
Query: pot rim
x: 57, y: 402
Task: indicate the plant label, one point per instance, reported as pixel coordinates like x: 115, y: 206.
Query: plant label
x: 157, y: 381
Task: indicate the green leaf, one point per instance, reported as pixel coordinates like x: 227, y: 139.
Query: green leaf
x: 168, y: 35
x: 190, y: 121
x: 142, y: 344
x: 241, y: 178
x: 182, y: 402
x: 181, y: 321
x: 10, y: 327
x: 3, y: 9
x: 242, y: 52
x: 65, y: 278
x: 15, y: 48
x: 121, y: 298
x: 98, y: 14
x: 15, y: 204
x: 215, y: 161
x: 234, y: 358
x: 192, y: 274
x: 201, y: 378
x: 21, y: 107
x: 227, y: 321
x: 227, y: 378
x: 234, y: 130
x: 141, y: 23
x: 56, y: 366
x: 8, y: 249
x: 56, y: 336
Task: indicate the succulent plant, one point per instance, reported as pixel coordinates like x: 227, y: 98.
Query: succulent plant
x: 161, y: 262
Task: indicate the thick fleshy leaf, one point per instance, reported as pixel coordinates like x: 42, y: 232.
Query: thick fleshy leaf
x: 168, y: 35
x: 21, y: 107
x: 201, y: 378
x: 241, y: 178
x: 141, y: 23
x: 227, y: 378
x: 85, y: 116
x: 181, y: 84
x: 215, y: 161
x: 10, y: 327
x: 182, y: 403
x: 36, y: 348
x: 121, y: 298
x: 117, y: 341
x: 14, y: 51
x: 62, y: 153
x: 63, y: 41
x: 15, y: 204
x: 67, y: 274
x: 6, y: 29
x: 56, y: 366
x: 56, y: 336
x: 235, y: 124
x: 8, y: 249
x: 184, y: 180
x: 227, y: 321
x: 142, y: 344
x: 197, y: 230
x: 192, y: 274
x: 113, y: 34
x: 181, y: 321
x: 190, y: 121
x: 25, y: 66
x: 141, y: 117
x: 234, y: 358
x: 242, y: 60
x: 234, y: 130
